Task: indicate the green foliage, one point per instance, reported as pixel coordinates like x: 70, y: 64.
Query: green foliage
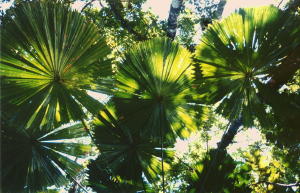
x: 33, y: 159
x: 47, y: 51
x: 237, y: 52
x: 268, y: 169
x: 51, y: 56
x: 153, y: 84
x: 102, y: 180
x: 118, y: 38
x: 286, y: 113
x: 124, y: 150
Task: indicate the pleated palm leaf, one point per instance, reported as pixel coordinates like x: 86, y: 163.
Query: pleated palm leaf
x: 124, y: 151
x: 102, y: 180
x: 50, y: 55
x: 33, y: 159
x: 237, y: 52
x: 153, y: 88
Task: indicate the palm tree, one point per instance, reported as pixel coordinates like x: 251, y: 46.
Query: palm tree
x: 50, y: 56
x: 239, y: 53
x: 101, y: 179
x: 153, y: 88
x: 150, y: 109
x: 125, y: 151
x: 34, y: 159
x: 236, y: 56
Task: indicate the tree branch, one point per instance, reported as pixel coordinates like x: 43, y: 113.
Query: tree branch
x: 175, y: 8
x: 278, y: 184
x: 86, y: 5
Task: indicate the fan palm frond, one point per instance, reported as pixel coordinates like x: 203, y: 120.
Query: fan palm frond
x: 153, y: 88
x: 33, y: 159
x: 102, y: 180
x: 240, y: 50
x: 124, y: 151
x: 50, y: 55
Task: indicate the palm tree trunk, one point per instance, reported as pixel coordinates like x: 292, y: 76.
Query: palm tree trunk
x: 230, y: 134
x: 175, y: 8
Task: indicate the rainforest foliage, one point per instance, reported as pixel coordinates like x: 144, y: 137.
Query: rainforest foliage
x: 110, y: 99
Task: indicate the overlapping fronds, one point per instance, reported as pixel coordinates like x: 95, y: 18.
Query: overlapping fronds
x: 33, y: 159
x: 49, y: 56
x: 124, y: 151
x: 153, y: 88
x: 101, y: 179
x: 240, y: 50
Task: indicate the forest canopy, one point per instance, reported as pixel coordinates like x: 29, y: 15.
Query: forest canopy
x: 111, y: 98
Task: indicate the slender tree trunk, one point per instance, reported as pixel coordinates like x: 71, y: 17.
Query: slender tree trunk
x: 220, y: 8
x: 175, y: 8
x: 230, y: 134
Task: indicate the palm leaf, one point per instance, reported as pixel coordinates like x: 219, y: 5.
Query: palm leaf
x: 240, y: 50
x: 124, y: 151
x: 50, y: 55
x: 153, y: 88
x: 35, y: 159
x: 102, y: 180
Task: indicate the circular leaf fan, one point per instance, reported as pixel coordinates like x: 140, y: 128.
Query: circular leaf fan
x: 239, y: 51
x: 32, y: 160
x: 124, y: 151
x: 49, y: 56
x: 153, y: 88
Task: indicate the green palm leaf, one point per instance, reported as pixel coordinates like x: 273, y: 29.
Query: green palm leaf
x: 50, y: 55
x: 240, y: 50
x: 102, y: 180
x: 153, y: 88
x: 124, y: 151
x: 35, y: 159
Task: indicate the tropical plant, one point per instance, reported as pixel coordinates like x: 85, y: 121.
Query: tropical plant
x: 50, y: 56
x: 204, y: 176
x: 34, y: 159
x: 153, y: 88
x: 124, y: 150
x: 101, y: 179
x: 241, y: 51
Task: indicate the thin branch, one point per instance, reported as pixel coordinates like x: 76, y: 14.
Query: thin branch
x: 279, y: 3
x: 100, y: 3
x: 278, y: 184
x: 86, y: 5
